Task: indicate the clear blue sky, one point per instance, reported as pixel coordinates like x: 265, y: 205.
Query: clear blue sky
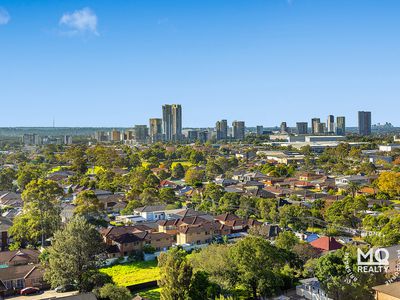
x: 115, y: 62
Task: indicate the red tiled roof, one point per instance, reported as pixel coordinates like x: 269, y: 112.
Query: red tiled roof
x: 326, y: 243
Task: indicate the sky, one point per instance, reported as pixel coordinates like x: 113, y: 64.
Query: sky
x: 115, y: 62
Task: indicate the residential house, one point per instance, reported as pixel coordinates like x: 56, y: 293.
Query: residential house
x: 387, y: 291
x: 310, y: 288
x: 21, y: 276
x: 19, y: 257
x: 325, y: 244
x: 128, y: 240
x: 195, y: 234
x: 151, y: 212
x: 5, y: 225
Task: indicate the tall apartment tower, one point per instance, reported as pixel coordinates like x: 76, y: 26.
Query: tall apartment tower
x: 302, y: 127
x: 238, y: 130
x: 315, y: 125
x: 284, y: 128
x: 156, y: 134
x: 330, y: 124
x: 222, y: 130
x: 141, y: 133
x: 260, y: 130
x: 341, y: 126
x: 364, y: 122
x: 172, y: 122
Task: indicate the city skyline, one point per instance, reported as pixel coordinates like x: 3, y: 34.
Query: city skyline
x: 80, y: 62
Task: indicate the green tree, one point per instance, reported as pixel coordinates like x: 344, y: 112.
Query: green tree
x: 194, y: 176
x: 286, y: 240
x: 176, y: 274
x: 88, y: 205
x: 389, y: 183
x: 7, y: 176
x: 178, y: 172
x: 128, y: 210
x: 113, y: 292
x: 258, y: 264
x: 215, y: 260
x: 167, y: 195
x: 332, y: 271
x: 294, y: 216
x: 27, y: 173
x: 151, y: 181
x: 41, y: 204
x: 229, y: 202
x: 76, y: 156
x: 74, y: 256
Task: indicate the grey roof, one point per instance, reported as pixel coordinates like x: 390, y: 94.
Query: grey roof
x: 150, y: 208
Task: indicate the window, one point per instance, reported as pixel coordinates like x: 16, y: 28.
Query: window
x: 19, y: 283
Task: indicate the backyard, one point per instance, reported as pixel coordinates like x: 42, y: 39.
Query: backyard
x: 133, y: 273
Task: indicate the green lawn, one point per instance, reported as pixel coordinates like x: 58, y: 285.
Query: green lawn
x: 183, y: 163
x: 151, y: 294
x: 95, y: 170
x: 133, y: 273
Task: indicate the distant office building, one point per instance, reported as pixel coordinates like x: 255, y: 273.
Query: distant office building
x: 330, y: 124
x: 238, y: 130
x: 102, y: 136
x: 315, y: 125
x: 341, y: 126
x: 284, y: 128
x: 67, y: 140
x: 364, y: 122
x: 322, y: 128
x: 31, y: 139
x: 141, y: 133
x: 115, y: 136
x: 260, y: 130
x: 129, y: 135
x: 302, y: 127
x: 221, y: 128
x: 203, y: 136
x: 172, y: 122
x: 193, y: 135
x: 156, y: 133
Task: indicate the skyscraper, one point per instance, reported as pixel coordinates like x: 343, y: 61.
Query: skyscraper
x: 141, y: 133
x: 238, y: 130
x: 302, y: 127
x: 222, y: 130
x: 364, y: 122
x: 172, y: 122
x: 341, y: 126
x: 330, y: 124
x: 260, y: 130
x: 315, y: 125
x: 156, y: 133
x: 284, y: 128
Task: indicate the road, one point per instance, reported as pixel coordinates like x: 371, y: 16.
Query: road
x: 50, y: 294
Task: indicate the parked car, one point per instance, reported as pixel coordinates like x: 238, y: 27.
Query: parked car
x: 29, y: 291
x: 65, y: 288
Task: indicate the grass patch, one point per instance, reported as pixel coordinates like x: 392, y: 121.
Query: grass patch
x: 317, y: 230
x: 183, y: 163
x: 151, y: 294
x: 95, y: 170
x: 133, y: 273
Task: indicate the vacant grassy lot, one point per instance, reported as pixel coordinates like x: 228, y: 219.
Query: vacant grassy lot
x: 133, y: 273
x: 151, y: 294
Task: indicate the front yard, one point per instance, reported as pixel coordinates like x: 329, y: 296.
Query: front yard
x: 133, y: 273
